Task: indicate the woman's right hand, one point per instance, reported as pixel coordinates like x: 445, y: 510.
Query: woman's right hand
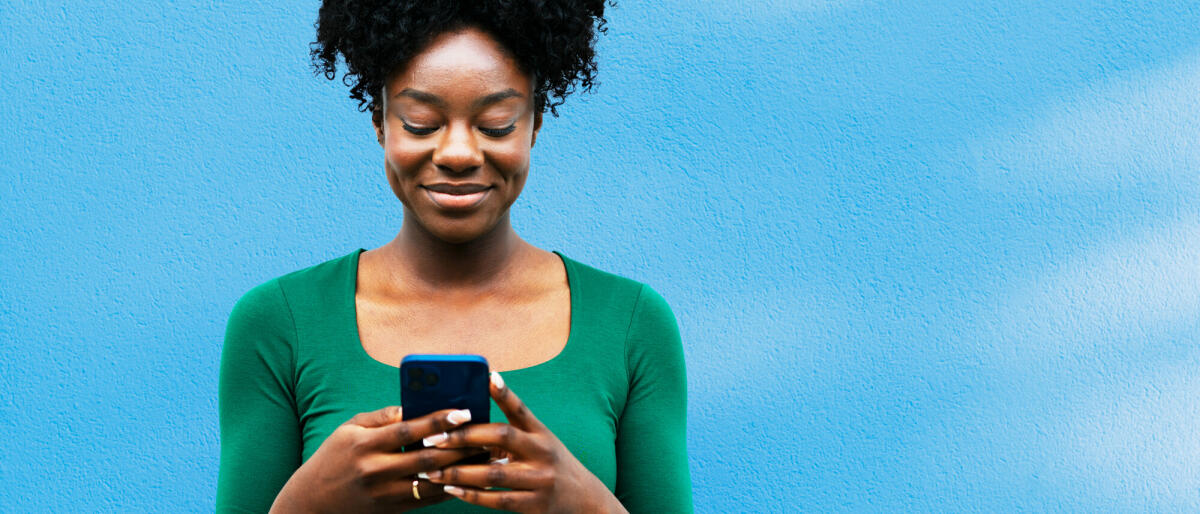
x: 359, y: 467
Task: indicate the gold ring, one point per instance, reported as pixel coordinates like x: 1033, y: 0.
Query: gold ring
x: 416, y: 493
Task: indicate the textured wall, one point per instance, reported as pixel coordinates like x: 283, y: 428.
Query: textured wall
x: 926, y: 256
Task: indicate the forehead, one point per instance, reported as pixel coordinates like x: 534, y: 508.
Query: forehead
x: 466, y: 62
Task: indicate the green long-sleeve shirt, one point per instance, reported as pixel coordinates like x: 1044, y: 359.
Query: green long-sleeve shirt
x: 293, y: 369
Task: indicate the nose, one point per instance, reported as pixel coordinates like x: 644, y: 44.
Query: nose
x: 458, y: 150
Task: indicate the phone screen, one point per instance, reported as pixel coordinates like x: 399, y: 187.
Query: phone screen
x: 430, y: 382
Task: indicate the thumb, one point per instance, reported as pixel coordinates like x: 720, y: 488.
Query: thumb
x: 376, y: 418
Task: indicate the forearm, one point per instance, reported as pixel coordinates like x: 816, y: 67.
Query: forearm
x: 289, y: 499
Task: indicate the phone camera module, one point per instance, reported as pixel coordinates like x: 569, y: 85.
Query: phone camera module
x: 431, y: 379
x: 415, y: 385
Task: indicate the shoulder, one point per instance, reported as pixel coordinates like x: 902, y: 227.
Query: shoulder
x: 272, y: 301
x: 597, y: 282
x: 641, y: 302
x: 649, y: 332
x: 321, y: 277
x: 260, y: 307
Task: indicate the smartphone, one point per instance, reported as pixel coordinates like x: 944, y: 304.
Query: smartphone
x: 430, y: 382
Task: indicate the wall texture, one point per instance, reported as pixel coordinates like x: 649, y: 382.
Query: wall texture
x: 926, y: 256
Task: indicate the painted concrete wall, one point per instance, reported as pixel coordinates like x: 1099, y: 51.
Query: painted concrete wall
x: 926, y: 256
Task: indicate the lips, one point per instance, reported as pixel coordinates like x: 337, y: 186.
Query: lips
x: 457, y: 196
x: 457, y: 189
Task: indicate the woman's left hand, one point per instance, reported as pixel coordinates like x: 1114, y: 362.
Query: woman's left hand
x: 542, y: 475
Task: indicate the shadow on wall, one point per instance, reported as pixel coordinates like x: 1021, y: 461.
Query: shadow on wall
x: 1102, y: 339
x: 990, y: 293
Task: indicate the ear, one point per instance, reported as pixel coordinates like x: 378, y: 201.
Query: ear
x: 377, y: 120
x: 537, y: 125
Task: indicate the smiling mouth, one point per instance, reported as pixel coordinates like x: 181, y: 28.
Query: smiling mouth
x: 457, y: 197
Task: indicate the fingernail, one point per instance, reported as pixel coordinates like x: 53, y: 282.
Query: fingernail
x: 501, y: 461
x: 497, y: 380
x: 456, y: 491
x: 459, y: 417
x: 433, y: 475
x: 434, y: 439
x: 423, y: 475
x: 399, y: 413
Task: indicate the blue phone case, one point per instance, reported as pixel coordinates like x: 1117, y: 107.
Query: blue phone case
x: 430, y: 382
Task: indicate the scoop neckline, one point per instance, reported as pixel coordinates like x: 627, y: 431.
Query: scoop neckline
x: 572, y: 288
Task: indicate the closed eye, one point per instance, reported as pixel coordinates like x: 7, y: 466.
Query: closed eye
x: 419, y: 130
x: 498, y: 132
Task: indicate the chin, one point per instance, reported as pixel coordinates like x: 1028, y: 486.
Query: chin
x: 458, y: 233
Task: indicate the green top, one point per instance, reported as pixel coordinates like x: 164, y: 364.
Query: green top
x: 293, y: 369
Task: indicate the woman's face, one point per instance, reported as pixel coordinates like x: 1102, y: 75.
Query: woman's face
x: 457, y: 124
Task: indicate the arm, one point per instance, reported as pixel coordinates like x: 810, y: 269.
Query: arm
x: 260, y: 430
x: 652, y: 464
x: 543, y: 476
x: 358, y: 468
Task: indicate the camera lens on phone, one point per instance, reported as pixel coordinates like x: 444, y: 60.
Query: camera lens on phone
x: 431, y: 379
x: 415, y: 385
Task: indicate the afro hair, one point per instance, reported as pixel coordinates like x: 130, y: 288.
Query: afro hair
x: 551, y: 39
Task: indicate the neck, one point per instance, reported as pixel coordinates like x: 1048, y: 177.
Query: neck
x: 433, y: 264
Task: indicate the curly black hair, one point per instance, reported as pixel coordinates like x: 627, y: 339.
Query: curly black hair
x: 552, y: 39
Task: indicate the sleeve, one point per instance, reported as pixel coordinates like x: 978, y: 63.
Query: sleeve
x: 652, y: 463
x: 260, y: 432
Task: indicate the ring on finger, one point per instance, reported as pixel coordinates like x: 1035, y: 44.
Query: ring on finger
x: 416, y: 493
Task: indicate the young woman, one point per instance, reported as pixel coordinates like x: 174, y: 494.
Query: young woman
x: 591, y: 376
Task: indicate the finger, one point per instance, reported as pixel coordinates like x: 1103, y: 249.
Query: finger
x: 399, y: 493
x: 497, y: 454
x: 426, y: 491
x: 512, y: 406
x: 376, y: 418
x: 481, y: 476
x: 501, y: 500
x: 494, y: 435
x: 396, y: 435
x: 395, y: 466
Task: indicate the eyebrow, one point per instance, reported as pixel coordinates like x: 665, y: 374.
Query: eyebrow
x: 496, y: 97
x: 432, y: 99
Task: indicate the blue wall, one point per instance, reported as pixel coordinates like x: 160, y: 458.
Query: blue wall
x: 926, y: 256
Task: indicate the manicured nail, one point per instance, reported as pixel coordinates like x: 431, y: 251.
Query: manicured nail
x: 497, y: 380
x: 423, y: 475
x: 459, y: 417
x: 433, y: 475
x: 456, y: 491
x: 501, y: 461
x: 399, y: 413
x: 435, y: 439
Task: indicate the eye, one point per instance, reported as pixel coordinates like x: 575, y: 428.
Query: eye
x: 418, y: 130
x: 499, y: 132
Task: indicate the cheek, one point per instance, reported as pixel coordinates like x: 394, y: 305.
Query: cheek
x: 513, y: 164
x: 404, y: 160
x: 512, y: 159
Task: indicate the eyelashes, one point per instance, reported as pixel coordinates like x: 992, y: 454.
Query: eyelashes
x: 499, y: 132
x: 417, y: 130
x: 423, y: 131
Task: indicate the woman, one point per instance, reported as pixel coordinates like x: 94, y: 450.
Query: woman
x: 308, y: 382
